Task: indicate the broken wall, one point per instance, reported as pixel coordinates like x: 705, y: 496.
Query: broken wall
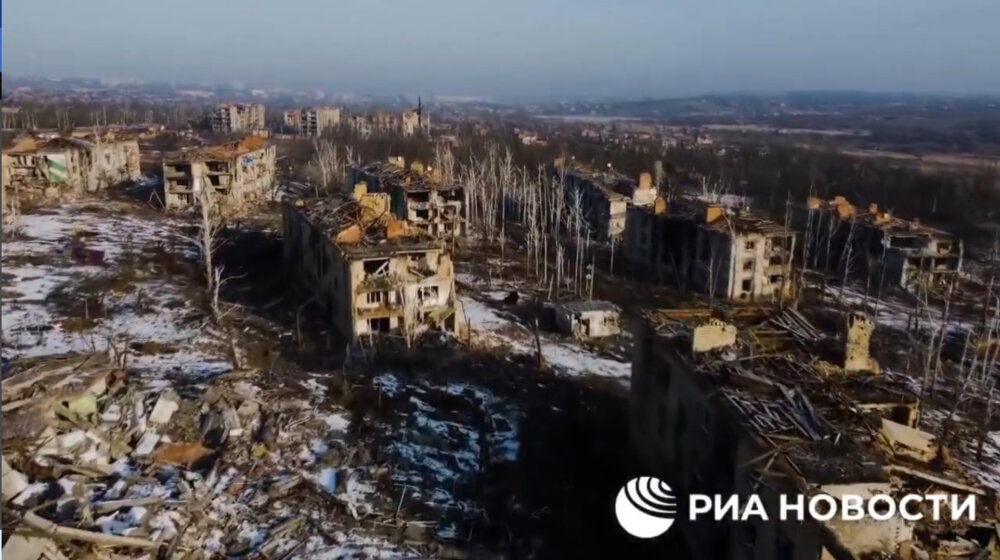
x: 314, y: 265
x: 408, y: 291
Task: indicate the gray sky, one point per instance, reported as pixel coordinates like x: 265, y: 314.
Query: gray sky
x: 621, y: 48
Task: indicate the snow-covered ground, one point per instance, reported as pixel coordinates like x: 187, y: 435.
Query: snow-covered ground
x: 65, y: 290
x: 492, y: 326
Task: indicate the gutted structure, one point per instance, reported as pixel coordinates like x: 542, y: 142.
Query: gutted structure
x: 229, y: 118
x: 418, y: 195
x: 726, y: 252
x: 238, y: 174
x: 593, y: 195
x: 408, y: 123
x: 70, y: 165
x: 372, y: 273
x: 758, y: 403
x: 891, y: 251
x: 587, y: 319
x: 312, y: 121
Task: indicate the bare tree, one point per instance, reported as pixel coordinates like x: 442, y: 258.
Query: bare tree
x: 208, y: 241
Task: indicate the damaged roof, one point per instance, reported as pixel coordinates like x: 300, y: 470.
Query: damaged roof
x: 356, y: 233
x: 228, y: 150
x: 411, y: 181
x: 605, y: 181
x: 785, y: 378
x: 873, y: 217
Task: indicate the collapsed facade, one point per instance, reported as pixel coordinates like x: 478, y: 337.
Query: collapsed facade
x: 372, y: 273
x: 312, y: 121
x: 418, y: 195
x: 70, y: 165
x: 237, y: 174
x: 726, y: 252
x: 229, y: 118
x: 847, y: 239
x: 762, y: 402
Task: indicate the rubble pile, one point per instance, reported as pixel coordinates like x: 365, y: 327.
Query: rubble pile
x: 91, y: 462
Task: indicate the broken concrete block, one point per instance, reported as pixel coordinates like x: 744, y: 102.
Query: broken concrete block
x: 909, y: 442
x: 22, y: 546
x: 165, y: 407
x: 713, y: 335
x: 856, y: 353
x: 74, y: 442
x: 14, y: 482
x: 248, y: 409
x: 146, y: 444
x: 84, y: 406
x: 112, y: 415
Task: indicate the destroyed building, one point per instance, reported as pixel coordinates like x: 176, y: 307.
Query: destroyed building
x: 237, y: 174
x: 410, y: 122
x: 869, y: 242
x: 229, y: 118
x: 312, y: 121
x: 70, y: 165
x: 587, y: 319
x: 726, y: 252
x: 418, y: 195
x: 372, y: 273
x: 603, y: 196
x: 765, y: 402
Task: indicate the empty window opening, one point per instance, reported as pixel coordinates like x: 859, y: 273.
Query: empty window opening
x: 748, y: 264
x: 376, y: 266
x: 380, y: 324
x: 750, y: 245
x: 427, y: 294
x: 747, y: 285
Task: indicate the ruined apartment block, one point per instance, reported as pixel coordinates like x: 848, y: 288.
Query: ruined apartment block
x: 312, y: 121
x: 373, y: 274
x: 229, y: 118
x: 418, y: 195
x: 763, y: 402
x: 410, y: 122
x: 69, y: 165
x: 600, y: 204
x: 874, y: 243
x: 239, y: 174
x: 726, y: 252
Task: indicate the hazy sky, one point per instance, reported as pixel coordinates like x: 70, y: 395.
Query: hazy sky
x: 622, y: 48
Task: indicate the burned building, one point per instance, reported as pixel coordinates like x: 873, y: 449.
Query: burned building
x: 726, y: 252
x: 229, y: 118
x: 238, y: 174
x: 766, y: 403
x: 873, y: 243
x: 312, y: 121
x: 372, y: 273
x: 418, y: 195
x: 70, y: 165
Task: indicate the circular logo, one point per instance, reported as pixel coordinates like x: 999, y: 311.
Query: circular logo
x: 645, y: 507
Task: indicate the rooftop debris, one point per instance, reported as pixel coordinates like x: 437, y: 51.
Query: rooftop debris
x: 841, y: 426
